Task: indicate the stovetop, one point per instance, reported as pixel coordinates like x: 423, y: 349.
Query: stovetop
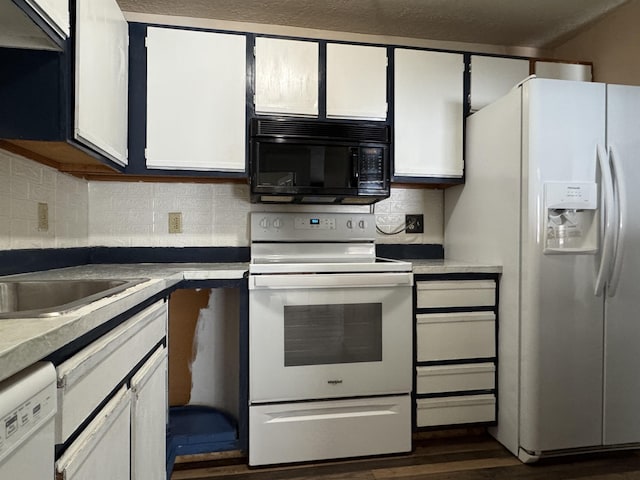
x: 286, y: 242
x: 379, y: 265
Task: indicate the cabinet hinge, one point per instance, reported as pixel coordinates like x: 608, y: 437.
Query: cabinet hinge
x: 254, y: 50
x: 145, y: 154
x: 254, y: 100
x: 146, y: 44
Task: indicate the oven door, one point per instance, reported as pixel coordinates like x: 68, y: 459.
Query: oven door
x: 314, y: 336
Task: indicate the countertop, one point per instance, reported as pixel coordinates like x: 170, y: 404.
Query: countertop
x: 441, y: 266
x: 25, y: 341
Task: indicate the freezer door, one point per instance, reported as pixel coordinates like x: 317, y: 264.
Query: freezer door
x: 622, y: 323
x: 561, y: 318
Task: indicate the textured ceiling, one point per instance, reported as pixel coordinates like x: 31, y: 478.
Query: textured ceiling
x: 525, y: 23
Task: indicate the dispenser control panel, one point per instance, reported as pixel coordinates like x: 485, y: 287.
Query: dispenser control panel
x: 583, y: 195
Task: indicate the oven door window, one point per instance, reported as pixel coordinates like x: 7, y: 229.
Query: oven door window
x: 332, y: 333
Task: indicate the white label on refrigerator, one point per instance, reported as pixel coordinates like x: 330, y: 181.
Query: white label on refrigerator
x: 573, y: 195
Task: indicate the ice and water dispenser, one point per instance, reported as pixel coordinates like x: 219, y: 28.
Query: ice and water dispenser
x: 571, y: 217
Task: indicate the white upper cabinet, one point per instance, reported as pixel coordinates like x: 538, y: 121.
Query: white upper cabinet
x: 429, y: 91
x: 356, y: 82
x: 493, y: 77
x: 196, y: 97
x: 563, y: 71
x: 101, y: 76
x: 34, y: 24
x: 55, y: 13
x: 286, y: 76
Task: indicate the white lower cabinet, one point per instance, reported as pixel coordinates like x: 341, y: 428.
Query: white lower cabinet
x: 101, y: 451
x: 149, y: 418
x: 109, y: 393
x: 456, y: 293
x: 455, y: 410
x: 456, y: 378
x: 455, y: 336
x: 456, y: 331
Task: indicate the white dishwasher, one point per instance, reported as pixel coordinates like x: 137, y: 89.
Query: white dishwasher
x: 27, y: 412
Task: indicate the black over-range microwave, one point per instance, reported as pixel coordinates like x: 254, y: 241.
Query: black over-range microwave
x: 318, y: 162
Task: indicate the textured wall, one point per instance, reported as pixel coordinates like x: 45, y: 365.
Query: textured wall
x: 136, y: 214
x: 125, y: 214
x: 23, y: 184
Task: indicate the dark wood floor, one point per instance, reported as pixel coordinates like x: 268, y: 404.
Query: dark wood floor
x: 476, y: 457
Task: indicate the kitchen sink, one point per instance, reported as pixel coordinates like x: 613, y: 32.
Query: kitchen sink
x: 51, y: 298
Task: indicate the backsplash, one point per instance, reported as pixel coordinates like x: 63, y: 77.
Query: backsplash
x: 124, y: 214
x: 137, y: 214
x: 23, y: 185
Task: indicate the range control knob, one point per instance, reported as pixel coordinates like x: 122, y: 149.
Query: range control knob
x: 362, y: 224
x: 264, y: 222
x: 349, y: 224
x: 277, y: 223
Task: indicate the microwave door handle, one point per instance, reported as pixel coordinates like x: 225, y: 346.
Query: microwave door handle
x: 355, y: 173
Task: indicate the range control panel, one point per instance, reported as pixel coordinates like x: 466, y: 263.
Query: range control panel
x: 312, y: 227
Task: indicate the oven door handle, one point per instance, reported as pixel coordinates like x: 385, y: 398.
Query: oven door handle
x: 343, y: 280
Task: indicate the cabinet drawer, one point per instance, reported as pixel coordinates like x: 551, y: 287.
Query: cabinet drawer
x: 452, y: 336
x: 455, y: 378
x: 456, y: 293
x: 87, y: 378
x: 455, y: 410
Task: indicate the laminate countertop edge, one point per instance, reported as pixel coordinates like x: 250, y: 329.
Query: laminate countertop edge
x: 444, y: 266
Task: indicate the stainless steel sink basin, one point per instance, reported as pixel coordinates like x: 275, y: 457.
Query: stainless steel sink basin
x: 49, y: 298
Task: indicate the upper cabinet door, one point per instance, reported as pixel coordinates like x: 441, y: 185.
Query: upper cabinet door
x: 102, y: 66
x: 493, y: 77
x: 563, y: 71
x: 55, y: 13
x: 196, y: 100
x: 356, y: 82
x: 286, y: 77
x: 34, y: 24
x: 429, y: 92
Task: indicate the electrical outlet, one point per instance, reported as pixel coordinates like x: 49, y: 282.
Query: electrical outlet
x: 414, y: 223
x: 43, y: 217
x: 175, y: 222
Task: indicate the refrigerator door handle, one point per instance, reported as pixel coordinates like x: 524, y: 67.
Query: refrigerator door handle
x: 620, y: 198
x: 604, y: 271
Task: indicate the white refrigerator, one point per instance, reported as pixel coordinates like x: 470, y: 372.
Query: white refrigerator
x: 552, y: 183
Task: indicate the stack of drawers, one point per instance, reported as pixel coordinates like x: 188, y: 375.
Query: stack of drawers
x: 456, y: 333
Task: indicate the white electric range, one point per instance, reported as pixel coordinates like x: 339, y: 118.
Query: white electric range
x: 330, y: 340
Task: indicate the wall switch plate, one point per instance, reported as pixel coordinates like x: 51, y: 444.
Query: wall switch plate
x: 175, y: 222
x: 43, y: 217
x: 414, y: 223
